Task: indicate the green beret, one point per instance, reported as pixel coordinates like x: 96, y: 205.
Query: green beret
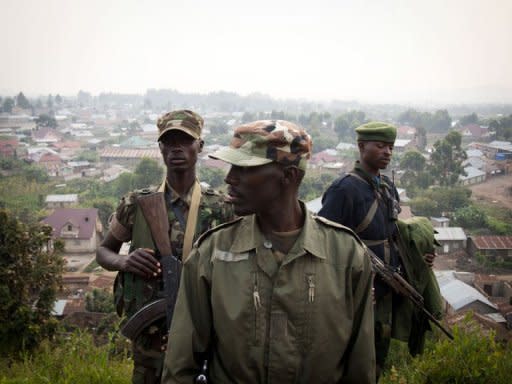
x: 376, y: 131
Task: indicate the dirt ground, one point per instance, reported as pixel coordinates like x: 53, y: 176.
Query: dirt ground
x: 495, y: 190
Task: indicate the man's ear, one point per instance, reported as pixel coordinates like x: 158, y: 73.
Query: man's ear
x: 291, y: 175
x: 201, y: 145
x: 160, y: 145
x: 360, y: 145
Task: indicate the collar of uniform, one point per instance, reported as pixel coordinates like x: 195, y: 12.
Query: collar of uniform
x: 249, y: 237
x: 358, y: 168
x: 187, y: 198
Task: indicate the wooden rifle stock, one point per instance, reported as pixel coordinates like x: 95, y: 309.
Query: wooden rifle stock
x: 155, y: 212
x: 402, y: 287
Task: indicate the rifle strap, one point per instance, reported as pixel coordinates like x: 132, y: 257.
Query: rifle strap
x: 387, y: 247
x: 190, y: 230
x: 373, y: 208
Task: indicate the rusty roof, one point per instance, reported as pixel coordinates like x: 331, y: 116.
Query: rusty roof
x: 492, y: 242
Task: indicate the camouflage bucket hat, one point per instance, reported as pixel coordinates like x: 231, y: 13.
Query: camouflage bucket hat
x: 265, y: 141
x: 182, y: 120
x: 376, y: 131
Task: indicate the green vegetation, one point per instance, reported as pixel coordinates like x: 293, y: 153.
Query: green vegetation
x: 440, y: 200
x: 73, y: 359
x: 446, y: 159
x: 99, y: 301
x: 314, y: 184
x: 472, y: 358
x: 30, y: 272
x: 503, y: 127
x: 439, y: 121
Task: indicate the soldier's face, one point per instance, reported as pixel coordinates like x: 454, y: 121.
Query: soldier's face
x: 254, y: 189
x: 179, y: 150
x: 375, y: 154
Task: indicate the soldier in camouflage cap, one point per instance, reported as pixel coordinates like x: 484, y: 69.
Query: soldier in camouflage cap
x: 192, y: 208
x: 183, y: 120
x: 278, y: 295
x: 265, y: 141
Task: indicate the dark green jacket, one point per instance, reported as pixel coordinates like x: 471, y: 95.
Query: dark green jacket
x: 410, y: 324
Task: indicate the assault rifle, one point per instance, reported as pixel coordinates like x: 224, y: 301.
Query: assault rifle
x: 402, y: 287
x: 155, y: 212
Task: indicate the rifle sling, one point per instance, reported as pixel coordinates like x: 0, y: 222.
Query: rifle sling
x: 191, y: 221
x: 190, y: 230
x: 373, y: 208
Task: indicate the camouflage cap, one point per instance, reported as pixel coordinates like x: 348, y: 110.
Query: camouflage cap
x: 182, y: 120
x: 376, y: 131
x: 265, y: 141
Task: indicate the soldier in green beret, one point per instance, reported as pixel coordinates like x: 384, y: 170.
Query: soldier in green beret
x: 278, y: 295
x: 192, y: 208
x: 368, y: 202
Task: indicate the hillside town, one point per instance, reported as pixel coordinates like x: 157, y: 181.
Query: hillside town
x: 83, y: 139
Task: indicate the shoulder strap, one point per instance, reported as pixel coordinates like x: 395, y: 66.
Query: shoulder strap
x: 190, y: 230
x: 368, y: 218
x: 371, y: 212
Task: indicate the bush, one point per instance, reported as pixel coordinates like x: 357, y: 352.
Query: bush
x: 472, y: 358
x: 30, y: 272
x: 74, y: 359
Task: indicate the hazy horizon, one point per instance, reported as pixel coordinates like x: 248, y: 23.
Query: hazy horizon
x: 389, y: 51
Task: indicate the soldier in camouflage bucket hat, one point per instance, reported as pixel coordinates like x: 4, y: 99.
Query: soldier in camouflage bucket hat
x: 265, y: 141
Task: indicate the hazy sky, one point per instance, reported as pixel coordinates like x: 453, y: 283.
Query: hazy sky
x: 382, y: 50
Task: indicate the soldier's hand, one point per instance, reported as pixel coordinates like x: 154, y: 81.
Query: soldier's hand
x: 143, y: 263
x: 429, y: 258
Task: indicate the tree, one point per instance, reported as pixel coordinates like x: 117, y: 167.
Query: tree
x: 105, y: 209
x: 58, y: 99
x: 124, y: 183
x: 423, y: 206
x: 45, y: 120
x: 99, y: 301
x: 447, y: 158
x: 469, y: 119
x: 213, y: 176
x: 49, y: 102
x: 22, y: 101
x: 148, y: 172
x: 502, y: 127
x: 413, y: 161
x: 30, y: 272
x: 8, y: 105
x: 421, y: 137
x: 345, y: 124
x: 470, y: 217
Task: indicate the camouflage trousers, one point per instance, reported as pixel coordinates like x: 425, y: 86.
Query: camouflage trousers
x: 148, y: 356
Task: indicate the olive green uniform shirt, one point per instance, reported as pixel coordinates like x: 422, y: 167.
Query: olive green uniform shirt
x: 307, y: 320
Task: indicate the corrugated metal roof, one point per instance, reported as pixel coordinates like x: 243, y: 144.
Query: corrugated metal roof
x: 450, y: 233
x: 68, y: 198
x: 471, y: 172
x: 497, y: 317
x: 123, y: 153
x: 474, y: 153
x: 492, y: 242
x: 457, y: 293
x: 401, y: 143
x: 58, y: 307
x: 503, y: 145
